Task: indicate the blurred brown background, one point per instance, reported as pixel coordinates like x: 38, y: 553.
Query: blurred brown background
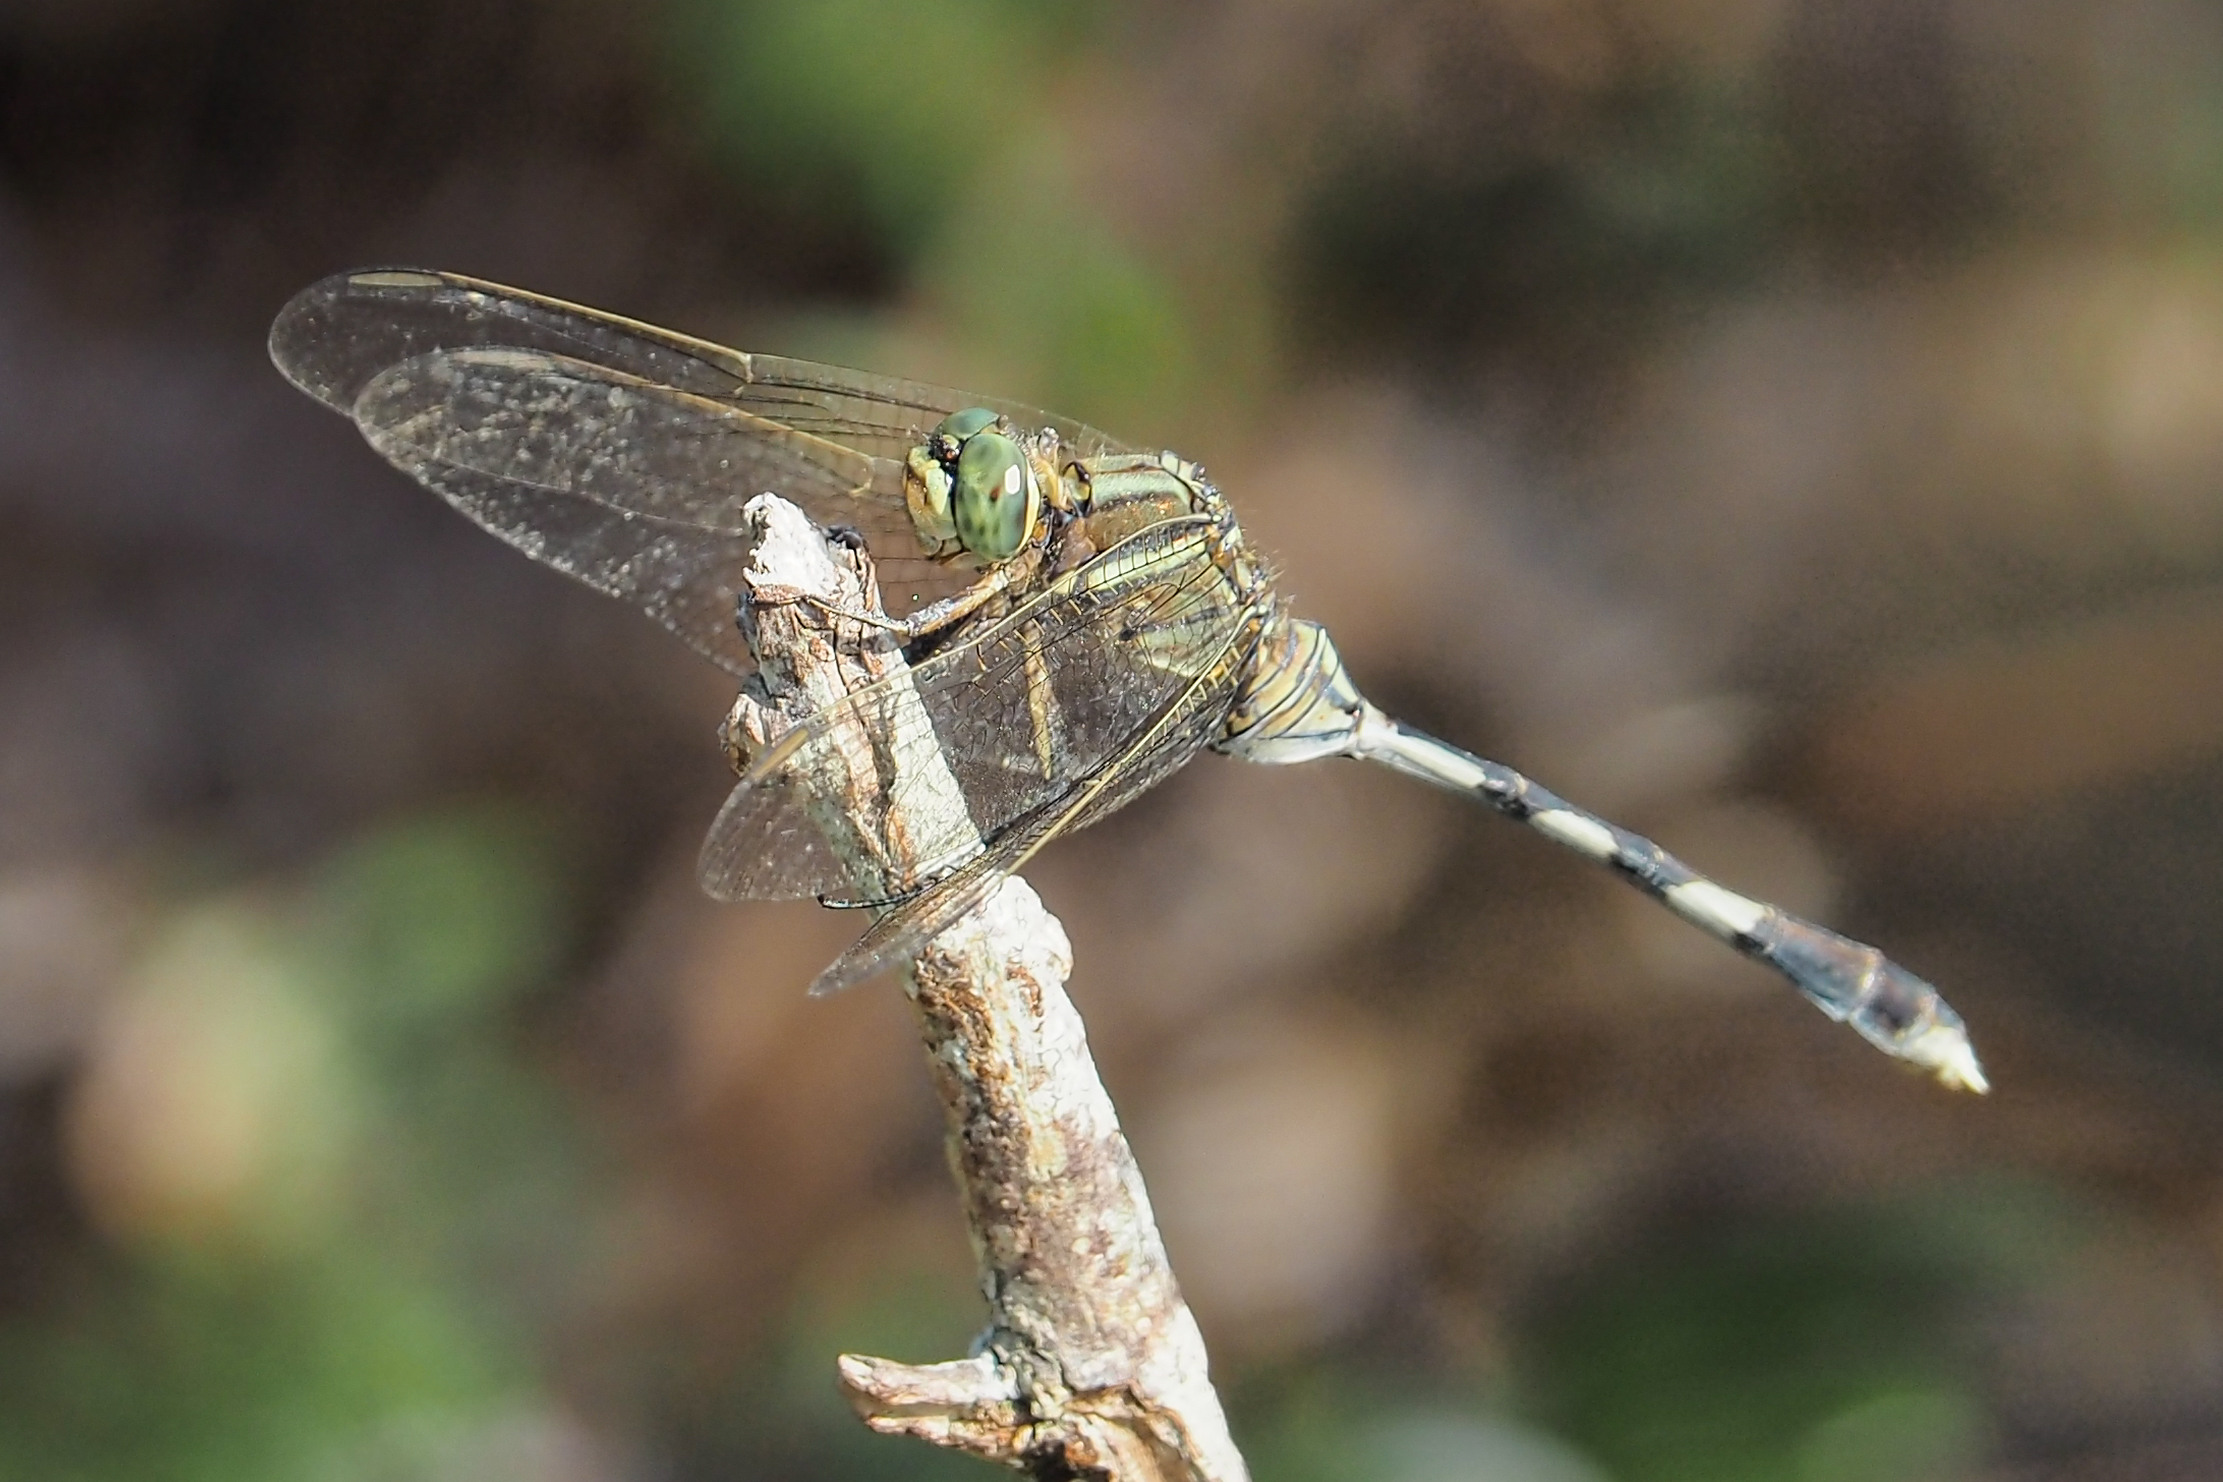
x: 1792, y: 427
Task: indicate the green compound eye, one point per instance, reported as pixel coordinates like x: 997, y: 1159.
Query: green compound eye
x: 994, y: 501
x: 950, y: 436
x: 958, y: 426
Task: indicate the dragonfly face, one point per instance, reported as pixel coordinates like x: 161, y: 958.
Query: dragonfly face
x: 971, y: 489
x: 1119, y: 628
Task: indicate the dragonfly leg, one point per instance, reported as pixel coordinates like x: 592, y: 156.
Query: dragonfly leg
x: 927, y: 620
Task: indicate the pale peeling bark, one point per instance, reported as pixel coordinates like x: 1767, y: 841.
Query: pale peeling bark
x: 1091, y: 1364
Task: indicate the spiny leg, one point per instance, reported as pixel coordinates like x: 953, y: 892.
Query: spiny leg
x: 1850, y: 981
x: 927, y: 620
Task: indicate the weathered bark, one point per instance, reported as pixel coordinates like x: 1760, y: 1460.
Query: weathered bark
x: 1091, y: 1364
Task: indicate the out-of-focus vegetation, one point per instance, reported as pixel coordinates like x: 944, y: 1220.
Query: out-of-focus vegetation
x: 1792, y: 426
x: 338, y: 1203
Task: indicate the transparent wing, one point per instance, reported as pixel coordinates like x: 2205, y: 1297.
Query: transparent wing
x: 535, y: 384
x: 335, y: 337
x: 1037, y: 701
x: 1185, y: 725
x: 685, y: 577
x: 628, y: 485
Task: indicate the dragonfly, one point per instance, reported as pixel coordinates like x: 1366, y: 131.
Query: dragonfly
x: 1081, y: 615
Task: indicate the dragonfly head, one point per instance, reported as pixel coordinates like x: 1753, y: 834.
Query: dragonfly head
x: 972, y: 488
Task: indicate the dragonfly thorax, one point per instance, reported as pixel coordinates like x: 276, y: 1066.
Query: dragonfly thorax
x: 1121, y: 494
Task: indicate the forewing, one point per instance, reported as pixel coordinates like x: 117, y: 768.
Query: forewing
x: 335, y: 337
x: 563, y: 429
x: 1042, y: 697
x: 1185, y: 725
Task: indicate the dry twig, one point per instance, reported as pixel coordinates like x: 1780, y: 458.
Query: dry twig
x: 1091, y: 1364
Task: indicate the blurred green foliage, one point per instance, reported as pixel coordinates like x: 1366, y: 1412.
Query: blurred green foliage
x: 377, y: 1333
x: 1831, y: 1347
x: 781, y: 1415
x: 1678, y: 189
x: 876, y: 113
x: 1333, y: 1424
x: 1826, y: 1348
x: 1091, y: 324
x: 307, y: 1367
x: 932, y: 131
